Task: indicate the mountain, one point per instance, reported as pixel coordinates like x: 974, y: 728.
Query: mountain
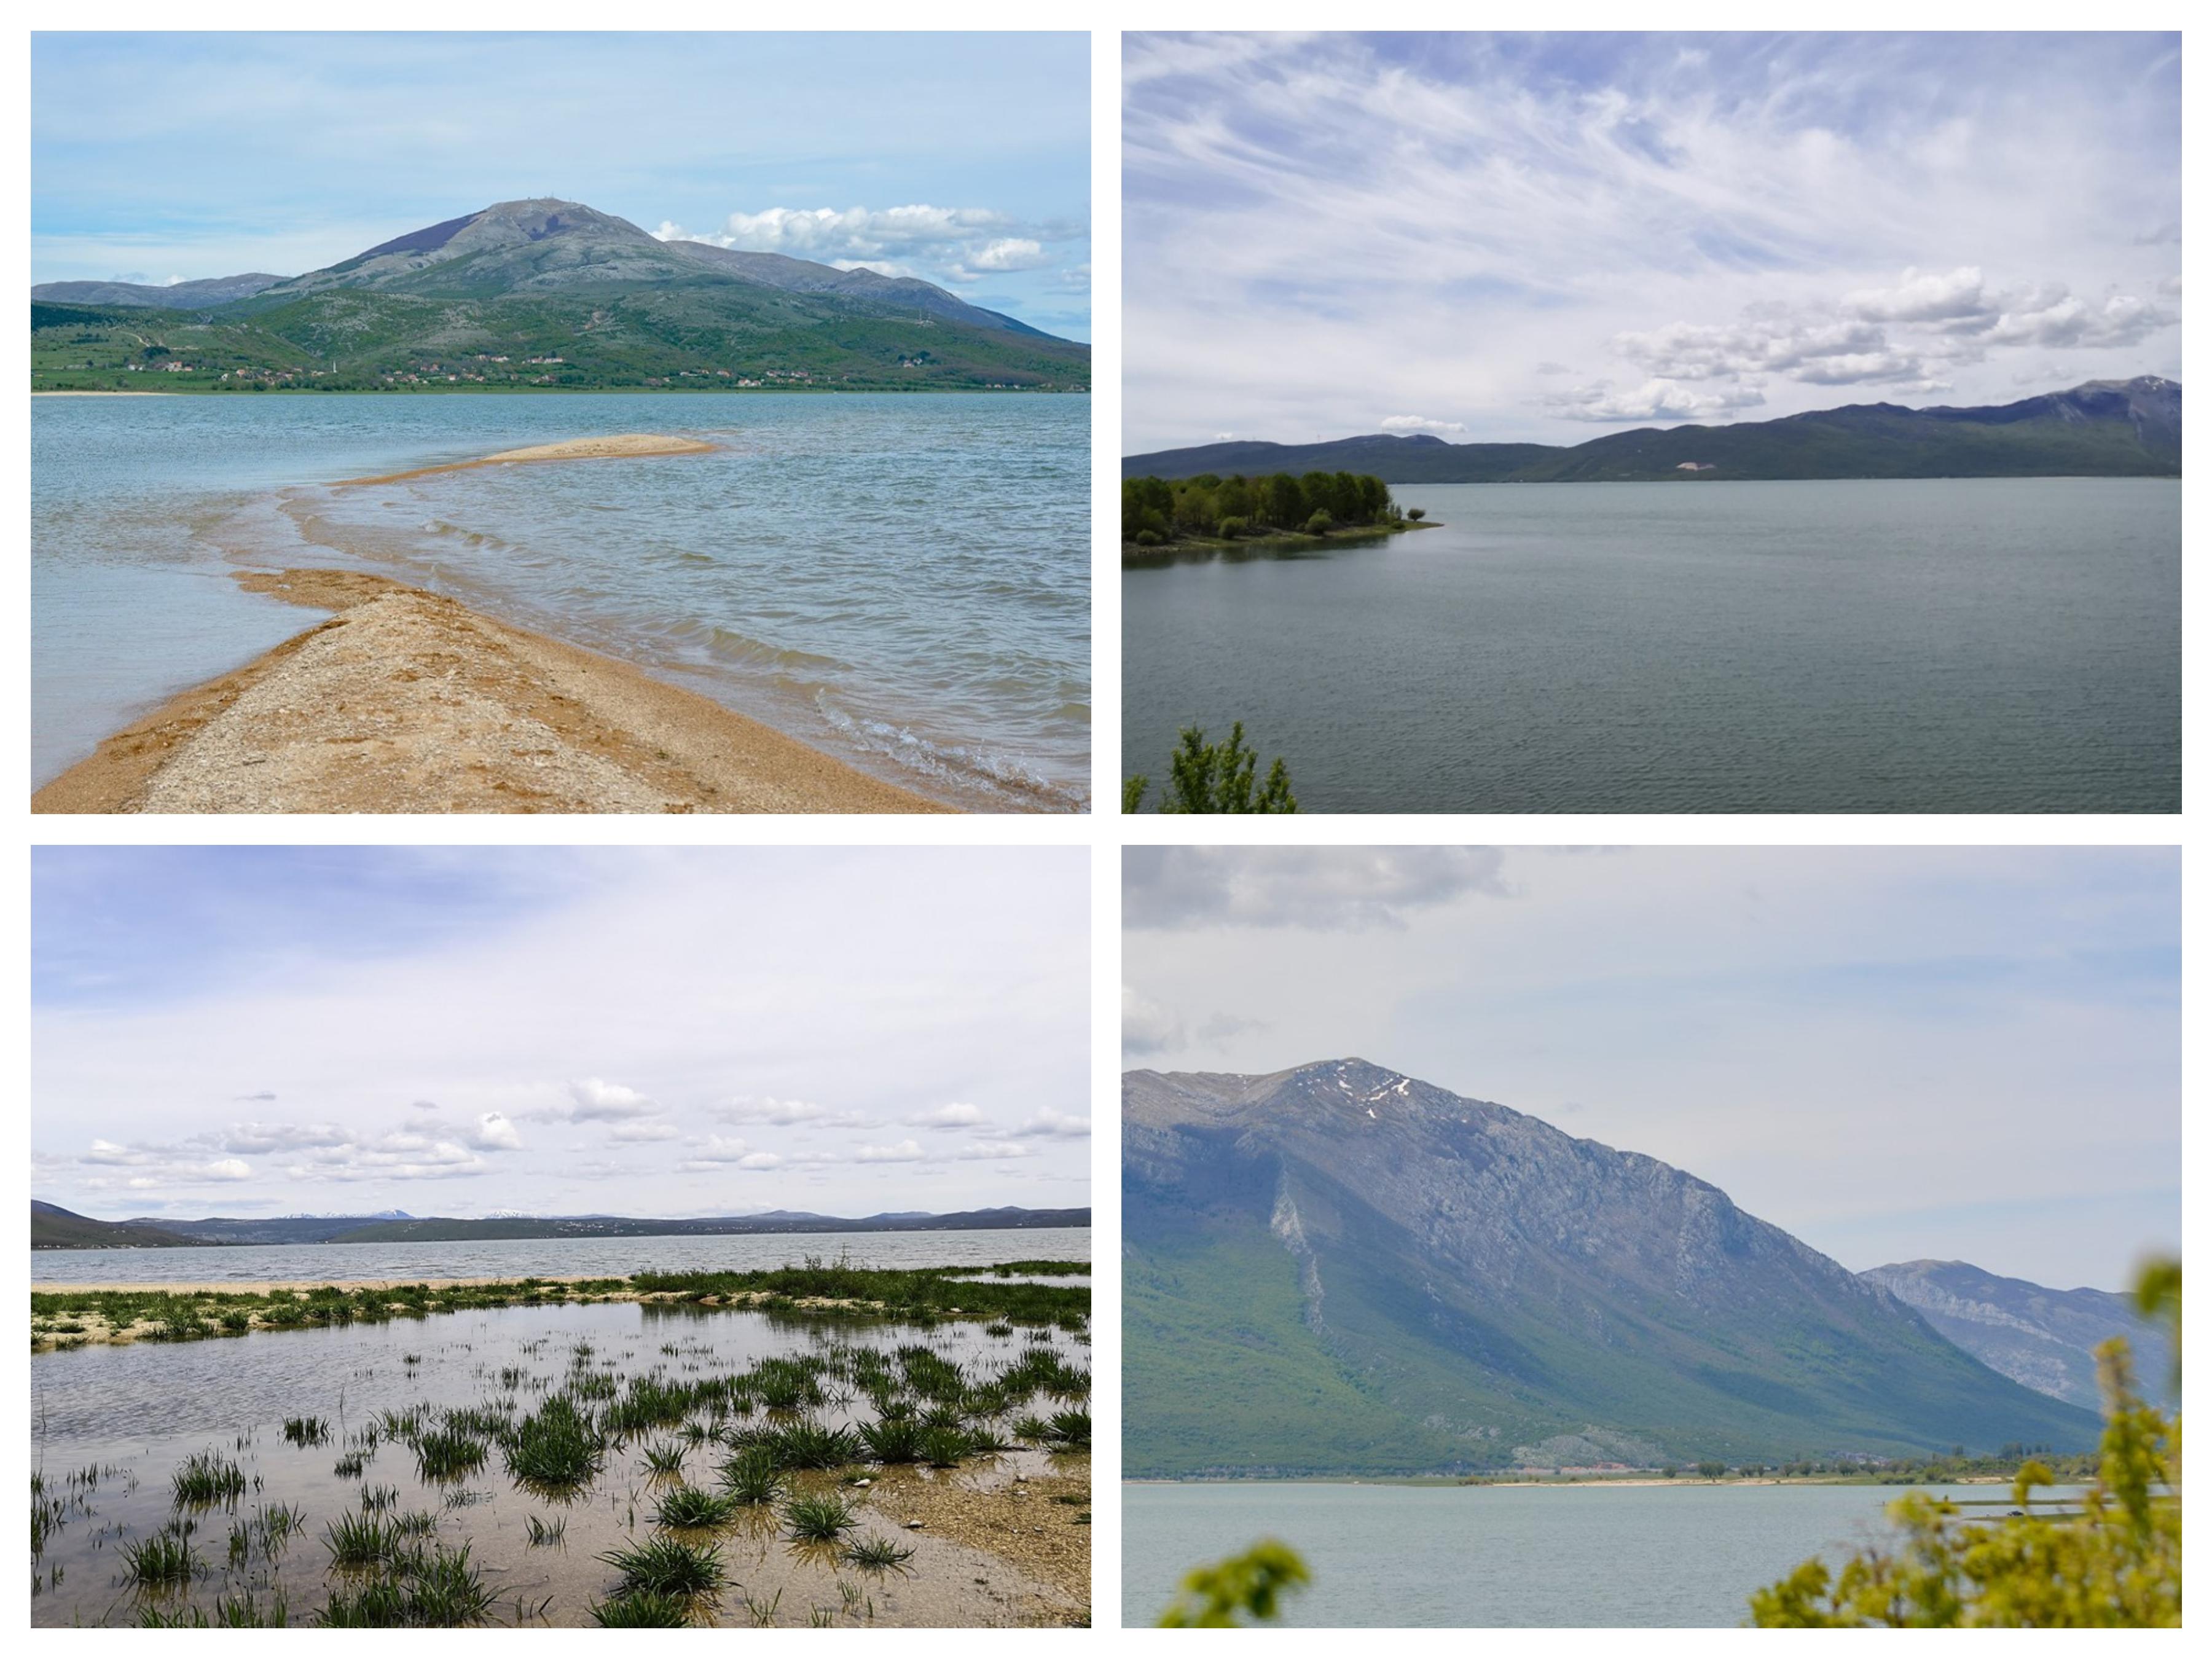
x: 1339, y: 1269
x: 398, y: 1226
x: 781, y: 1221
x: 2042, y: 1338
x: 175, y: 296
x: 53, y: 1228
x: 548, y: 293
x: 2101, y: 429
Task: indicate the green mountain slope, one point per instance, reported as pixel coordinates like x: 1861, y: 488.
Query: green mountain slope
x: 53, y: 1228
x: 1340, y: 1270
x: 2103, y: 429
x: 552, y: 294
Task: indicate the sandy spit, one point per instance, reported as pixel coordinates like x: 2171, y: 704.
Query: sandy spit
x: 407, y: 702
x: 574, y: 449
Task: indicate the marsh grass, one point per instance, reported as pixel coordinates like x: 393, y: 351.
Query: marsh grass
x: 819, y: 1515
x: 556, y: 1448
x: 449, y: 1454
x: 892, y: 1440
x: 441, y: 1587
x: 668, y: 1566
x: 664, y: 1457
x: 944, y: 1448
x: 879, y: 1554
x: 166, y: 1558
x: 207, y: 1477
x: 689, y: 1507
x: 752, y: 1477
x: 307, y: 1430
x: 543, y: 1533
x: 763, y: 1614
x: 362, y: 1541
x: 351, y: 1466
x: 376, y: 1500
x: 643, y: 1609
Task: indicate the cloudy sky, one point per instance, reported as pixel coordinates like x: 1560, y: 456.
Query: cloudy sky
x: 1893, y: 1054
x: 1546, y: 238
x: 662, y: 1032
x: 963, y: 159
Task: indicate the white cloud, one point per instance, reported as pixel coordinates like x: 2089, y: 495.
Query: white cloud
x: 1923, y: 297
x: 282, y: 1136
x: 599, y: 1101
x: 904, y: 1151
x: 1051, y: 1122
x: 1655, y: 400
x: 1147, y: 1027
x: 957, y: 1115
x: 494, y: 1132
x: 644, y: 1129
x: 992, y: 1150
x: 1420, y: 423
x: 1338, y: 888
x: 1011, y: 253
x: 789, y: 1114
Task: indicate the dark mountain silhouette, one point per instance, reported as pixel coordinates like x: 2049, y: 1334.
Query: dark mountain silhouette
x: 2102, y: 428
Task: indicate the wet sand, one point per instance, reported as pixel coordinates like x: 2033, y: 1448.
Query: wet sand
x: 573, y: 449
x: 407, y: 702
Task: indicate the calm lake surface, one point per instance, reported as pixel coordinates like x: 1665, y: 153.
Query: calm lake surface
x: 1924, y: 645
x: 552, y: 1258
x: 132, y: 1415
x: 903, y: 580
x: 1685, y: 1555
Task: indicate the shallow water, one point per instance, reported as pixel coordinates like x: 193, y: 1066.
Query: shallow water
x: 1922, y: 645
x: 552, y: 1258
x: 900, y: 580
x: 137, y: 1412
x: 1688, y: 1555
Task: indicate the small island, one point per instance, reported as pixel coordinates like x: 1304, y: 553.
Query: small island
x: 1164, y: 517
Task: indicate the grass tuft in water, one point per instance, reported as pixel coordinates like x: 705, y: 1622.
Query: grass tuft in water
x: 669, y: 1567
x: 819, y: 1515
x: 206, y: 1477
x: 361, y: 1540
x: 880, y: 1553
x: 448, y: 1454
x: 752, y: 1477
x: 545, y: 1533
x: 689, y: 1506
x: 664, y: 1457
x: 307, y: 1430
x: 640, y: 1609
x: 166, y: 1558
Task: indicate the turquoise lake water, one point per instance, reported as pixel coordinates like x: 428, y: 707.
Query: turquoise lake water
x: 1503, y: 1556
x: 1983, y: 644
x: 900, y: 580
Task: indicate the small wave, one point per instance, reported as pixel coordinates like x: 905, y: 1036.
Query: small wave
x: 1000, y: 779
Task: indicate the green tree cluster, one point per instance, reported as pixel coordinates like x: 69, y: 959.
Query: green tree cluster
x: 2112, y: 1560
x: 1158, y: 510
x: 1215, y: 777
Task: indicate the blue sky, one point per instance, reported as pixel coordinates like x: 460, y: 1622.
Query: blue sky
x: 1546, y: 238
x: 457, y: 1031
x: 1969, y: 1053
x: 963, y: 159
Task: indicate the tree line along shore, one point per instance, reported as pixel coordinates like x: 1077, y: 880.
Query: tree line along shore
x: 1160, y: 515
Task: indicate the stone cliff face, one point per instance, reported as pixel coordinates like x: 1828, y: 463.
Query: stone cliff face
x: 2043, y: 1339
x: 1509, y: 1285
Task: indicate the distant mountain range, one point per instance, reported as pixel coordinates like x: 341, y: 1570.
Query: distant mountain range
x: 1339, y: 1269
x: 2043, y: 1338
x: 541, y: 292
x: 2102, y: 428
x: 53, y: 1228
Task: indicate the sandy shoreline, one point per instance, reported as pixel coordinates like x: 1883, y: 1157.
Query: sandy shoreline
x: 407, y: 702
x: 624, y: 444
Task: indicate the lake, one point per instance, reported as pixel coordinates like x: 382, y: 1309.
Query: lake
x: 1921, y: 646
x: 900, y: 580
x: 1501, y: 1556
x: 552, y: 1258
